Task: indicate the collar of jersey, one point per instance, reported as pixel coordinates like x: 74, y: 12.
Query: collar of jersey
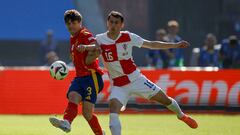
x: 119, y: 35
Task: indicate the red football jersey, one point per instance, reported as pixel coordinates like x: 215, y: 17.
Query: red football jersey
x: 83, y: 37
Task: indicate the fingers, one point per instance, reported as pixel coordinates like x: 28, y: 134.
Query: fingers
x: 81, y: 48
x: 97, y: 51
x: 183, y: 44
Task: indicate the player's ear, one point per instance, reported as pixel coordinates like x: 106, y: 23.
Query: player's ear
x: 80, y: 23
x: 107, y: 24
x: 122, y: 25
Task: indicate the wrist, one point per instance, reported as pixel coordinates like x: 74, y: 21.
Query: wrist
x: 177, y: 44
x: 84, y: 48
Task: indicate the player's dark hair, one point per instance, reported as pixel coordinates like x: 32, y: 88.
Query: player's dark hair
x: 116, y: 15
x: 72, y: 15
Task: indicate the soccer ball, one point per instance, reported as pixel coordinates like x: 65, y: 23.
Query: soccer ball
x: 58, y: 70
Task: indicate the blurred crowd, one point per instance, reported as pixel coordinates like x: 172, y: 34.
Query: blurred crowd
x: 48, y: 49
x: 224, y: 54
x: 211, y: 53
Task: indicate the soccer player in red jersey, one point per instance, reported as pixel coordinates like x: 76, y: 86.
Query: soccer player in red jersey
x: 88, y: 81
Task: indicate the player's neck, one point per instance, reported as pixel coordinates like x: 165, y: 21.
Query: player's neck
x: 76, y: 33
x: 113, y: 35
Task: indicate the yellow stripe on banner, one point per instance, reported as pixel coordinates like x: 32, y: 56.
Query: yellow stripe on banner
x: 95, y: 81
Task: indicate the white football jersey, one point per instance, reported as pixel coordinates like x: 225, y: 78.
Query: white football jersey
x: 117, y: 56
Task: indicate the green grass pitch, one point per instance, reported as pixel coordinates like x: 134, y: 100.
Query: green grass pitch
x: 131, y: 125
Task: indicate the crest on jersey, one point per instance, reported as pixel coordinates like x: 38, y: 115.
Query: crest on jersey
x: 125, y: 47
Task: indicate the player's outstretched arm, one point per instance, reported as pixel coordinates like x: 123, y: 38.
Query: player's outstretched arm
x: 82, y: 48
x: 164, y: 45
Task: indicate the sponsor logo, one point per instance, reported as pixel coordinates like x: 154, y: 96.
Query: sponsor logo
x: 197, y: 88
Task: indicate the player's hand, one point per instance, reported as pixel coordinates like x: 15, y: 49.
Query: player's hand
x: 98, y: 50
x: 81, y: 48
x: 183, y: 44
x: 95, y: 53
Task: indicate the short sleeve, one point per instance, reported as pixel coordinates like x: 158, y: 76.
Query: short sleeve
x: 136, y: 40
x: 98, y: 39
x: 89, y: 38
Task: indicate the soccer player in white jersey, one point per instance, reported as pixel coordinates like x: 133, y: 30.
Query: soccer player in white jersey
x: 126, y: 79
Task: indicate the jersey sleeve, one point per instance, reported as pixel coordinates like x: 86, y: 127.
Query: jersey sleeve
x: 89, y: 38
x: 98, y: 39
x: 136, y: 40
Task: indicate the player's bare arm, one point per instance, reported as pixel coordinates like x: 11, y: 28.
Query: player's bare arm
x: 91, y: 47
x: 164, y: 45
x: 92, y: 56
x: 93, y: 52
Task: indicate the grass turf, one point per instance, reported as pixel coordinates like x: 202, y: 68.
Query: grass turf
x: 131, y: 125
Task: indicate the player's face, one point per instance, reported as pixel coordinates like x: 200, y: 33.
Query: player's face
x: 73, y: 26
x: 114, y: 24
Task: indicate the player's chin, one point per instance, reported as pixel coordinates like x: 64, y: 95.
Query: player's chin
x: 72, y: 31
x: 113, y: 29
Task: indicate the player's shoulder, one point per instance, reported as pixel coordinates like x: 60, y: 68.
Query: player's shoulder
x: 101, y: 35
x: 85, y: 32
x: 128, y: 33
x: 125, y: 32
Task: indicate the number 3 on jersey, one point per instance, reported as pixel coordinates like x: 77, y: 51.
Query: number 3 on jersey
x: 109, y: 56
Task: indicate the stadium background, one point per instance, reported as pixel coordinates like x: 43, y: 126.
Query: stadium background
x: 25, y: 23
x: 27, y: 88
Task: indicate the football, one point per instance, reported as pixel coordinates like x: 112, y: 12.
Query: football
x: 58, y: 70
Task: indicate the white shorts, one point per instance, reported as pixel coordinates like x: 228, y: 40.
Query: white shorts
x: 140, y: 87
